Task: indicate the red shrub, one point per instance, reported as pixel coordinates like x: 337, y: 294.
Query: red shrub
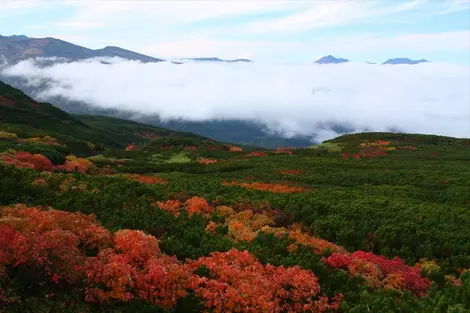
x: 207, y: 161
x: 240, y: 283
x: 403, y: 275
x: 197, y: 205
x: 28, y: 160
x: 131, y: 148
x: 148, y: 180
x: 256, y: 154
x: 276, y: 188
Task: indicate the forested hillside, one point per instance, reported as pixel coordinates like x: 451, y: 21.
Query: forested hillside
x: 103, y: 215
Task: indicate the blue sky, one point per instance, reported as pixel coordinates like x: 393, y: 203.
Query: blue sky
x: 271, y: 31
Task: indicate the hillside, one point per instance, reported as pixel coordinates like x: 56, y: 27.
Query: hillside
x: 26, y: 117
x: 18, y: 48
x: 371, y: 222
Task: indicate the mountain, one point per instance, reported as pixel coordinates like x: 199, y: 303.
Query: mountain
x: 329, y: 59
x: 17, y: 48
x: 214, y: 59
x: 18, y: 37
x: 404, y: 61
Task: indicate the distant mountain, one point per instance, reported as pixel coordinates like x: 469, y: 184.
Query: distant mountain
x: 370, y: 62
x: 19, y: 47
x: 404, y: 61
x: 329, y: 59
x: 18, y: 37
x: 214, y: 59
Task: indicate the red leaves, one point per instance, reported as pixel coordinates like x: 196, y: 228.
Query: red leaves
x: 207, y: 161
x: 283, y: 150
x: 381, y: 271
x: 276, y: 188
x: 77, y: 164
x: 240, y: 283
x: 171, y: 206
x: 28, y: 160
x: 235, y: 149
x: 130, y: 266
x: 194, y: 205
x: 197, y: 205
x: 148, y: 180
x: 131, y: 148
x: 366, y: 153
x: 256, y: 154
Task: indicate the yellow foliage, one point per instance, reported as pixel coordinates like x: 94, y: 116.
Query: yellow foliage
x: 224, y: 210
x: 260, y: 220
x: 7, y: 135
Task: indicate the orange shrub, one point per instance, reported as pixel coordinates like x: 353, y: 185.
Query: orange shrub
x: 240, y: 283
x: 207, y: 161
x: 283, y: 150
x: 197, y: 205
x: 235, y: 149
x: 171, y: 206
x: 256, y: 154
x: 76, y: 164
x: 47, y: 140
x: 131, y: 148
x: 28, y: 160
x: 148, y: 180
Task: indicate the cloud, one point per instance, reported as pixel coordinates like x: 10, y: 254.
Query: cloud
x: 292, y: 99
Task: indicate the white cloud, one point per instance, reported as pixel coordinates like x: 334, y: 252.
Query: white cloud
x: 300, y: 99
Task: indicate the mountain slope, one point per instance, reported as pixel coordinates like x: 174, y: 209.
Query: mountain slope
x: 329, y: 59
x: 24, y: 116
x: 19, y: 48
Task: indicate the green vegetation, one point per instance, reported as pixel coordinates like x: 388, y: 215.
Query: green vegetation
x: 394, y: 195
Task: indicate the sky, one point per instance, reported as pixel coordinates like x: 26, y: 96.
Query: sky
x: 287, y: 32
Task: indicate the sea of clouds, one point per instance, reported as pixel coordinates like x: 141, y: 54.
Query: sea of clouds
x: 429, y: 98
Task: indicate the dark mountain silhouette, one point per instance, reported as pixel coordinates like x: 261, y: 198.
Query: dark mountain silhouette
x: 329, y: 59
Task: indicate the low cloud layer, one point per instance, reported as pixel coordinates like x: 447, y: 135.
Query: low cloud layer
x: 291, y: 99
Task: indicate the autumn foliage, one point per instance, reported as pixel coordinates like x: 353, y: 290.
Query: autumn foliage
x: 283, y: 150
x: 238, y: 282
x: 28, y: 160
x: 379, y: 271
x: 276, y: 188
x: 207, y: 161
x: 148, y: 180
x: 131, y: 148
x: 102, y: 267
x: 46, y: 140
x: 256, y: 154
x: 194, y: 205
